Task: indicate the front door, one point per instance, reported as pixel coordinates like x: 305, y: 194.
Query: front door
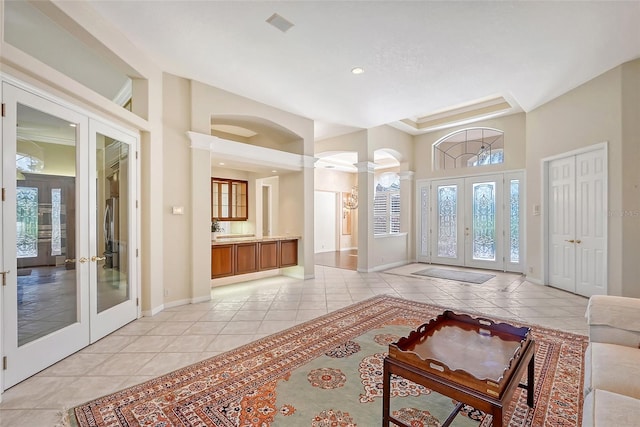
x: 60, y: 295
x: 472, y: 222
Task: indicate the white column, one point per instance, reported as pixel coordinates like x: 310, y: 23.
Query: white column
x: 407, y: 207
x: 200, y: 289
x: 366, y: 192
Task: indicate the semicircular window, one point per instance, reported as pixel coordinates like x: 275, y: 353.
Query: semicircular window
x: 469, y: 148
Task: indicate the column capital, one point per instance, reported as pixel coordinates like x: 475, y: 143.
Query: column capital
x: 406, y: 175
x: 365, y: 166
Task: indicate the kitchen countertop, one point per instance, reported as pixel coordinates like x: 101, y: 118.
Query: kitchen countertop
x: 221, y: 240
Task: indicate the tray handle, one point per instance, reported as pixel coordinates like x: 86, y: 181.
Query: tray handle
x: 435, y: 365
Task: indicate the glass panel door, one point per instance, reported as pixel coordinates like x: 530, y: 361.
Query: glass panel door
x: 69, y: 231
x: 45, y: 302
x: 113, y: 304
x: 484, y: 239
x: 465, y: 222
x: 448, y: 222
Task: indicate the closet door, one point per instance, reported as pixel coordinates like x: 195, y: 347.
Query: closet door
x: 562, y: 213
x: 577, y: 255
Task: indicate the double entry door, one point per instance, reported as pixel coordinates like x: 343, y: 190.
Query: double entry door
x: 472, y: 222
x: 68, y: 231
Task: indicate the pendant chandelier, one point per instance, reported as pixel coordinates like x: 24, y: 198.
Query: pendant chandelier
x: 351, y: 201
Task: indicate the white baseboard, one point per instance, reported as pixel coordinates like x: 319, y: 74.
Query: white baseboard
x: 153, y: 311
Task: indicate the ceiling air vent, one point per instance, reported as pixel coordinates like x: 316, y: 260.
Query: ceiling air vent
x: 279, y: 22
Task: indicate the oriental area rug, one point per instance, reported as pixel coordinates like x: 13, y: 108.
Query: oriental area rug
x: 328, y: 372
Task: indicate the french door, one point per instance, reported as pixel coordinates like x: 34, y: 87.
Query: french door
x: 472, y: 221
x: 68, y: 231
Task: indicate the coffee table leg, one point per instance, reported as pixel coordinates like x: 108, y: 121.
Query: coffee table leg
x: 385, y: 393
x: 530, y: 380
x: 497, y: 416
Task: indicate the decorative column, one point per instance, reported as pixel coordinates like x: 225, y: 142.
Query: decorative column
x: 200, y: 218
x: 407, y: 207
x: 366, y: 192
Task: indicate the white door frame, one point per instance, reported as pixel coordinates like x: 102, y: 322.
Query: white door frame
x: 546, y: 241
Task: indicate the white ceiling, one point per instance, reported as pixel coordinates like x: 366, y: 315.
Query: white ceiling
x: 420, y: 57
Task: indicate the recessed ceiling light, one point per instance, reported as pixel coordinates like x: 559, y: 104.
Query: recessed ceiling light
x: 72, y: 125
x: 274, y: 171
x: 221, y: 163
x: 357, y: 70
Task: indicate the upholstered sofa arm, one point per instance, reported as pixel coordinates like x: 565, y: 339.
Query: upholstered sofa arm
x: 614, y: 320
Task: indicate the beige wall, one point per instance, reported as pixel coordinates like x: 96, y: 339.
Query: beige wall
x: 176, y: 184
x: 590, y: 114
x: 630, y: 279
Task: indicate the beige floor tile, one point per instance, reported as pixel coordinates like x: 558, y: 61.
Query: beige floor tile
x: 123, y: 364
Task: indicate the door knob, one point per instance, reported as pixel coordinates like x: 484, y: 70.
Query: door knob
x: 570, y: 241
x: 98, y: 258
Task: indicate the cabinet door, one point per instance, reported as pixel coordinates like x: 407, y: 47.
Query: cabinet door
x: 222, y: 260
x: 288, y: 253
x: 246, y: 258
x: 268, y: 255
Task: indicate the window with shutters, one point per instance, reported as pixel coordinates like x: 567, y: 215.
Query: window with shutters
x: 386, y: 205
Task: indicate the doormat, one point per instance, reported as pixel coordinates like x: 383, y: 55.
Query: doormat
x: 457, y: 275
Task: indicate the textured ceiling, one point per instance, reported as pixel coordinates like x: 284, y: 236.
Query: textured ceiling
x: 420, y: 58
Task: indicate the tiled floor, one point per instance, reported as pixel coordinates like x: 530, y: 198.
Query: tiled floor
x: 238, y: 314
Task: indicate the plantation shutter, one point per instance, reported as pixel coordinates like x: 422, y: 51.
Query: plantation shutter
x: 380, y: 216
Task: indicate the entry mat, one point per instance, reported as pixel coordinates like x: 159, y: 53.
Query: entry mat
x: 460, y: 276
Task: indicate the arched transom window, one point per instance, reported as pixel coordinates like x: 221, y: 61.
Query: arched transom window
x: 468, y: 148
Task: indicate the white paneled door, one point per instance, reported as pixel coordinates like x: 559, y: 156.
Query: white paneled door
x: 68, y: 231
x: 577, y: 218
x: 472, y: 222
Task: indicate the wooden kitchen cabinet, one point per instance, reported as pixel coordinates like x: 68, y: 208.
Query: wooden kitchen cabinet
x: 228, y: 259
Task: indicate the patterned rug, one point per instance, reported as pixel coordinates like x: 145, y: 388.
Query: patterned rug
x: 328, y: 372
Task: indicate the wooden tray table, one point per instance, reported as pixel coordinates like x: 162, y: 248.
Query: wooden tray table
x: 472, y: 360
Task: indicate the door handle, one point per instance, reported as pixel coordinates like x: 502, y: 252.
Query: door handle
x: 98, y: 258
x: 4, y: 277
x: 578, y: 241
x: 68, y: 260
x: 570, y: 241
x: 82, y: 260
